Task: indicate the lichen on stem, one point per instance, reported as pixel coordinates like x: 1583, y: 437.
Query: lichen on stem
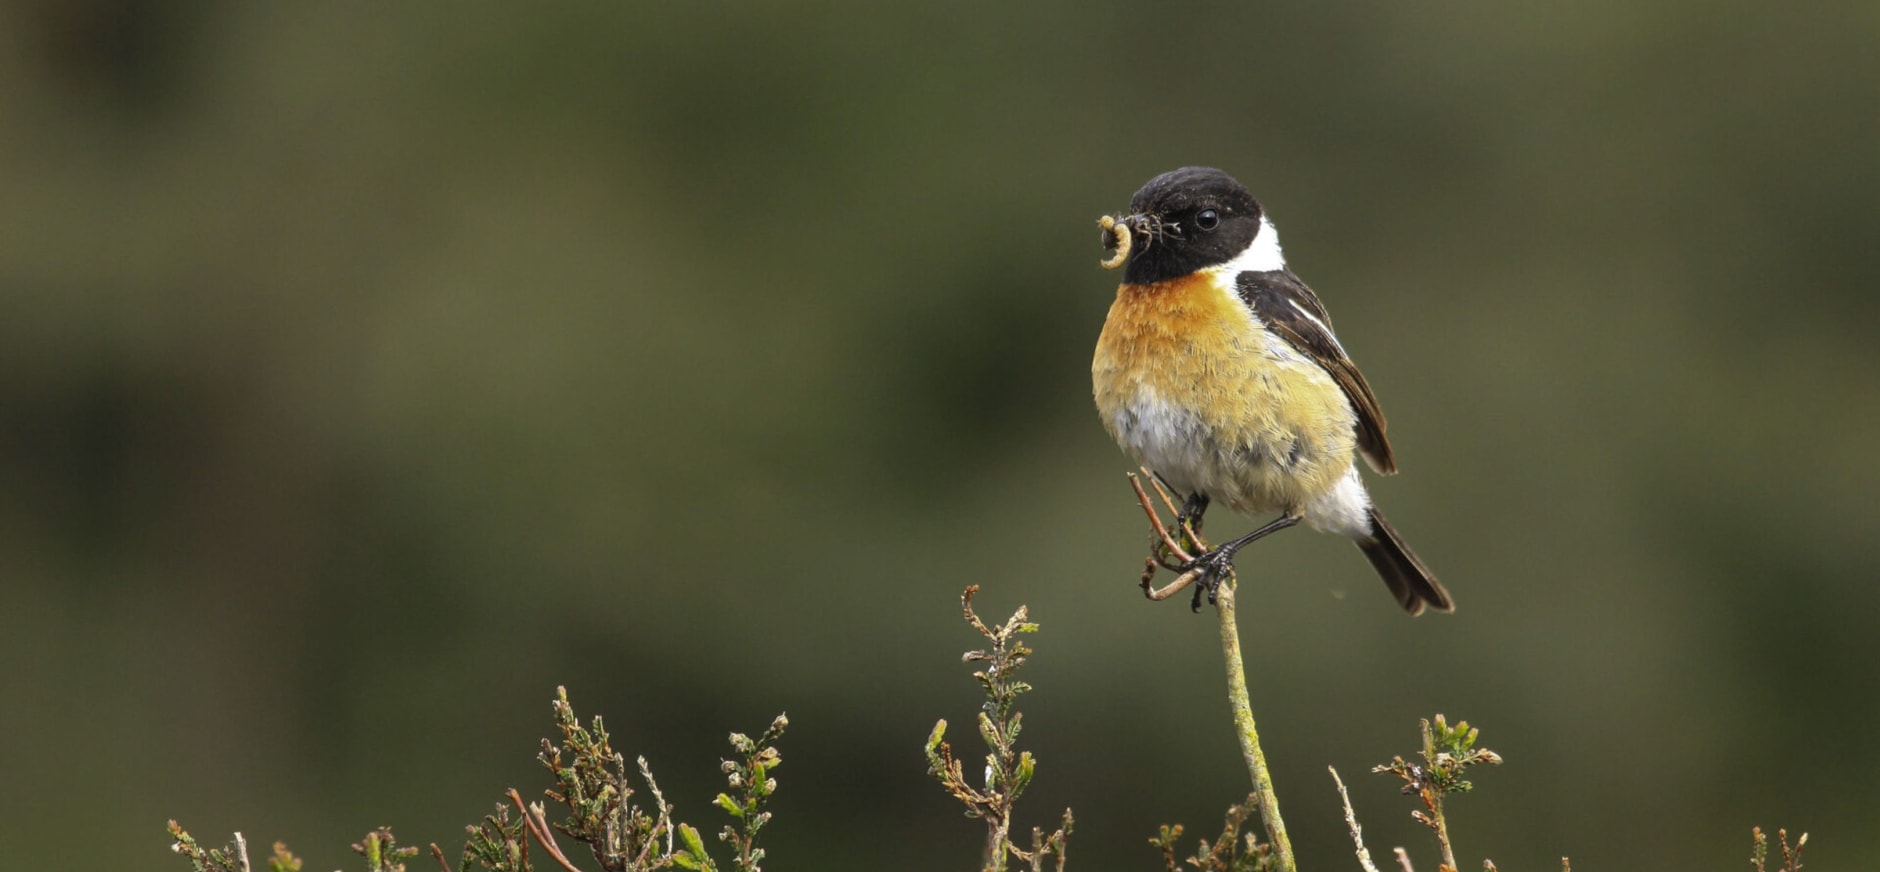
x: 1247, y: 731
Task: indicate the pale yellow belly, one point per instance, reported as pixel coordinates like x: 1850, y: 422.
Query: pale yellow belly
x: 1193, y: 388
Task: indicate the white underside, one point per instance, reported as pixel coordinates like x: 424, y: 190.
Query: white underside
x: 1173, y: 442
x: 1345, y: 509
x: 1178, y: 446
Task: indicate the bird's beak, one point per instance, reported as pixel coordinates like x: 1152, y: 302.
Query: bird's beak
x: 1128, y: 236
x: 1138, y: 225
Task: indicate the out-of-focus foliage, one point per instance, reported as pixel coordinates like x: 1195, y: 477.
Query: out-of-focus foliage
x: 366, y: 370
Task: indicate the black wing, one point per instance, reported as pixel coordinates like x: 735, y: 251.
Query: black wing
x: 1290, y: 309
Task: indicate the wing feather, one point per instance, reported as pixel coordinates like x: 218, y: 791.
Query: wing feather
x: 1288, y: 308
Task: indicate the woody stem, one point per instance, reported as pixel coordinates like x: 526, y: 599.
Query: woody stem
x: 1249, y: 735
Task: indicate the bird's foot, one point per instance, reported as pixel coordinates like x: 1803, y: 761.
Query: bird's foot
x: 1210, y: 570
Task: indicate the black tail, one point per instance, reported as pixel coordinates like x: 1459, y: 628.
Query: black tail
x: 1410, y: 581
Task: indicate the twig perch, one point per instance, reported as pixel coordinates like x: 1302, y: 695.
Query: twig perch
x: 1244, y: 727
x: 1164, y: 551
x: 1163, y: 546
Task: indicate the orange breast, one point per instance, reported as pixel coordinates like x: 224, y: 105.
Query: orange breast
x: 1197, y: 390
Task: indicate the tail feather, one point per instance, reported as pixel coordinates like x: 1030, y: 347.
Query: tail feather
x: 1410, y: 581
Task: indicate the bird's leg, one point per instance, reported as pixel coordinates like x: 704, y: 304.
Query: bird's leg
x: 1189, y: 518
x: 1216, y: 564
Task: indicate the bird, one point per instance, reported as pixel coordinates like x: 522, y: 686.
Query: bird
x: 1218, y: 371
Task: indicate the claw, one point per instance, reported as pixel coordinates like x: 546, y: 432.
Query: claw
x: 1214, y: 567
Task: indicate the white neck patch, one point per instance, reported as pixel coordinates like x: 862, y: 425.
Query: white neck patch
x: 1262, y: 255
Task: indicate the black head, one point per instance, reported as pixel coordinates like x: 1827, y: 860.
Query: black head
x: 1186, y: 220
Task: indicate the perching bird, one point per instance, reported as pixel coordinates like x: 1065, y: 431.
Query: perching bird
x: 1217, y: 370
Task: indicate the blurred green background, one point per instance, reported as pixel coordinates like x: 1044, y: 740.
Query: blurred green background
x: 366, y: 372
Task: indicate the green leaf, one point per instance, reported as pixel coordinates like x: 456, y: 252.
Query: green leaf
x: 730, y: 805
x: 694, y: 857
x: 1023, y: 776
x: 283, y: 860
x: 987, y: 731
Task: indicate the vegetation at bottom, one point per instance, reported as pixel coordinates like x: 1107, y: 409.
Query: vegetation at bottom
x: 594, y: 797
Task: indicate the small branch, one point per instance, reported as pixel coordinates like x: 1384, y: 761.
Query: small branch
x: 1162, y: 541
x: 1244, y: 727
x: 1180, y: 584
x: 1431, y: 789
x: 1791, y: 859
x: 538, y: 828
x: 1351, y: 821
x: 1403, y: 860
x: 439, y: 854
x: 1447, y: 754
x: 1008, y: 770
x: 1161, y: 490
x: 1791, y: 854
x: 1438, y: 782
x: 1168, y: 500
x: 661, y: 825
x: 241, y: 852
x: 1063, y: 837
x: 1165, y: 841
x: 1155, y: 518
x: 998, y: 841
x: 1441, y: 824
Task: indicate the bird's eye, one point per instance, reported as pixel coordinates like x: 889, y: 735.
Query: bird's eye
x: 1207, y: 219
